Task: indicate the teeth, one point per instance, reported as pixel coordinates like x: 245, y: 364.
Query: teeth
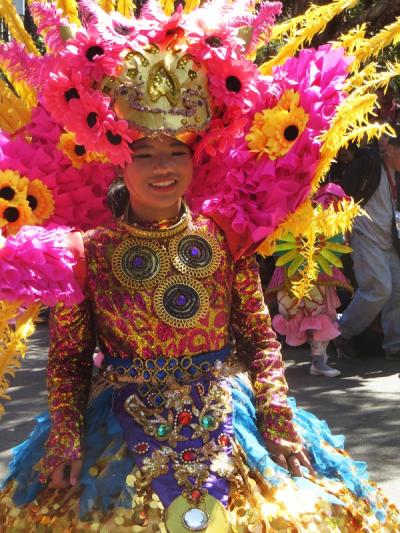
x: 163, y: 183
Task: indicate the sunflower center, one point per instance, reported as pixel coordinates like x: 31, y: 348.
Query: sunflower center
x: 80, y: 149
x: 91, y: 119
x: 94, y: 51
x: 233, y: 84
x: 32, y: 201
x: 7, y: 193
x: 70, y: 94
x: 11, y: 214
x: 214, y: 42
x: 291, y: 133
x: 114, y: 138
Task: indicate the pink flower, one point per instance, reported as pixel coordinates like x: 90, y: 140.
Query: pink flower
x: 60, y: 90
x: 156, y: 26
x: 234, y: 84
x: 221, y: 44
x: 92, y: 55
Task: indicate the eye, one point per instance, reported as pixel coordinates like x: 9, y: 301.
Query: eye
x: 180, y: 153
x: 142, y: 156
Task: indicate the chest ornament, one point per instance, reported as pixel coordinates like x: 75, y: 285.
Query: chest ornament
x: 181, y: 302
x: 195, y: 254
x: 138, y: 263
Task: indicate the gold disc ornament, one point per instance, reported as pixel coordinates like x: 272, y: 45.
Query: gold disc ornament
x: 195, y: 254
x: 139, y: 264
x: 180, y: 301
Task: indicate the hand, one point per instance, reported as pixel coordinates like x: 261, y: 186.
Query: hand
x: 66, y: 475
x: 284, y: 457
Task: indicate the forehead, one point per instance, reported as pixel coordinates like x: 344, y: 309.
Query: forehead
x: 160, y: 142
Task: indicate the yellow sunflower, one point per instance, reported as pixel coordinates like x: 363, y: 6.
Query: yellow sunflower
x: 14, y: 215
x: 77, y: 152
x: 274, y: 131
x: 12, y: 186
x: 40, y: 201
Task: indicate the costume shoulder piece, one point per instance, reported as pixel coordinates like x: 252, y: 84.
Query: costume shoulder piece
x: 262, y: 136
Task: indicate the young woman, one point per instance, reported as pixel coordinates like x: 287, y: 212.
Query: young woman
x: 185, y: 424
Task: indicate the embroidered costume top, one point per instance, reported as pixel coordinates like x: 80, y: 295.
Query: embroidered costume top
x: 162, y: 294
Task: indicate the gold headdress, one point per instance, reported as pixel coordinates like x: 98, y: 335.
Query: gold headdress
x: 161, y: 89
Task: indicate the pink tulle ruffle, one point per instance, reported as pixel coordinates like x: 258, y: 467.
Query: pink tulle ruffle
x: 295, y: 329
x: 37, y: 266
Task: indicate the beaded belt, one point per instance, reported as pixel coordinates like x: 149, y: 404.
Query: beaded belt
x: 161, y: 369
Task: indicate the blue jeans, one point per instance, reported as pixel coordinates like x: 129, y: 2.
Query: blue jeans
x: 377, y: 273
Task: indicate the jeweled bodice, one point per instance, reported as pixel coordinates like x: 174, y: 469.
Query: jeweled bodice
x: 168, y: 292
x: 160, y: 294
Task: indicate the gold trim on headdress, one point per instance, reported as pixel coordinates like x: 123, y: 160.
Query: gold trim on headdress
x: 161, y: 90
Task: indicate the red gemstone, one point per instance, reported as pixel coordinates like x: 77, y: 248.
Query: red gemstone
x: 189, y: 456
x: 142, y: 447
x: 195, y: 494
x: 223, y: 440
x: 184, y: 418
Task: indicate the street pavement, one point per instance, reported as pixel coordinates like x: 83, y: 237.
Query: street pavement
x: 362, y: 404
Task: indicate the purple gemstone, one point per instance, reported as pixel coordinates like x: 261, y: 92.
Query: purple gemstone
x: 194, y: 251
x: 138, y: 262
x: 181, y: 300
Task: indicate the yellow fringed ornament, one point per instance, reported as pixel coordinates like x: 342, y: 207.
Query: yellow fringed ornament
x: 70, y: 10
x: 190, y: 5
x: 16, y: 325
x: 126, y: 8
x: 168, y: 6
x: 107, y: 5
x: 16, y: 27
x: 13, y: 113
x: 302, y: 29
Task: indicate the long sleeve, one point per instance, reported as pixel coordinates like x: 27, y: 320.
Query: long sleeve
x: 72, y: 343
x: 256, y: 343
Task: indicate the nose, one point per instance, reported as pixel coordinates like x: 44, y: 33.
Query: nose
x: 162, y: 165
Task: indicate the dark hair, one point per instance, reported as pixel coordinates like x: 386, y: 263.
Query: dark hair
x: 117, y: 197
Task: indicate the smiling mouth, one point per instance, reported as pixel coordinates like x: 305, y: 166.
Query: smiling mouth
x: 164, y: 184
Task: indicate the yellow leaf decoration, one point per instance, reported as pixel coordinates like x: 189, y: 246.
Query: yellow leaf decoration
x: 16, y: 27
x: 16, y: 325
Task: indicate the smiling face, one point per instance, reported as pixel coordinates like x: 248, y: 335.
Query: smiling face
x: 158, y: 176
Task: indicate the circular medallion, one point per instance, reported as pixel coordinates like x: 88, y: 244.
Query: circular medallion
x: 195, y: 519
x: 139, y: 264
x: 180, y: 302
x: 210, y: 515
x: 196, y: 254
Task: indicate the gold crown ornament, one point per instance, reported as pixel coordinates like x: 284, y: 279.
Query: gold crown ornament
x: 161, y: 89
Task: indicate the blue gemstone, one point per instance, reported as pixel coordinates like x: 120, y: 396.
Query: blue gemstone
x: 194, y: 251
x: 181, y: 300
x: 161, y: 375
x: 160, y: 362
x: 138, y: 262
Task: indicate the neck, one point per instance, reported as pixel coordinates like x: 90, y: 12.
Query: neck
x: 152, y: 214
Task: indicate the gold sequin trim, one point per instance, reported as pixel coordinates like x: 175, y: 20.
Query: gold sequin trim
x: 160, y: 233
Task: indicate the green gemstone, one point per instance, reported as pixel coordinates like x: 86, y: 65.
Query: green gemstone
x: 163, y: 430
x: 207, y: 421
